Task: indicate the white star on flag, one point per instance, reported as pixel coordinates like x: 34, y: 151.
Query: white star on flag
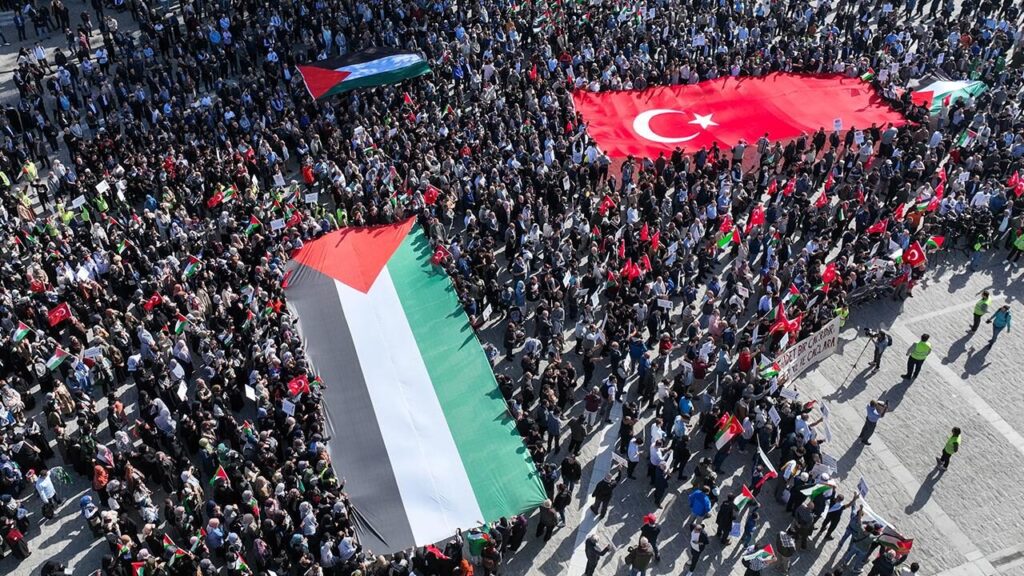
x: 703, y: 120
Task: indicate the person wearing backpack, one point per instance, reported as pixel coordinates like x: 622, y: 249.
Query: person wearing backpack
x: 639, y: 557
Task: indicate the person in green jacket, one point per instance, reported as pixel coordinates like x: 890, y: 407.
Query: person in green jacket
x: 980, y: 309
x: 1000, y: 320
x: 951, y: 447
x: 1017, y: 248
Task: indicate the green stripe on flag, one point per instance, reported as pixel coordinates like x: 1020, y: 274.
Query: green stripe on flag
x: 499, y: 467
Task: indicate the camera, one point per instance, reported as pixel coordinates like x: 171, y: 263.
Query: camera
x: 869, y: 332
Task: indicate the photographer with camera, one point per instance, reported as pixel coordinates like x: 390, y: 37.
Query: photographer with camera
x: 882, y: 342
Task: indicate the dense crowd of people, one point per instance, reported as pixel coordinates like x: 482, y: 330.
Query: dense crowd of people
x: 149, y: 280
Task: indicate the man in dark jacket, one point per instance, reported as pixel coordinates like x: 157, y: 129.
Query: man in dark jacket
x: 726, y: 516
x: 571, y: 472
x: 603, y: 492
x: 651, y: 530
x: 594, y: 551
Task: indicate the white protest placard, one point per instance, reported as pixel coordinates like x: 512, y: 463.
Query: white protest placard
x: 277, y: 224
x: 862, y: 487
x: 102, y: 187
x: 594, y: 299
x: 182, y: 391
x: 250, y: 392
x: 824, y: 409
x: 809, y: 351
x: 288, y: 407
x: 828, y: 431
x: 94, y: 352
x: 279, y: 180
x: 789, y: 394
x: 774, y: 415
x: 837, y: 124
x: 742, y: 291
x: 886, y: 8
x: 312, y: 198
x: 673, y: 247
x: 858, y: 137
x: 566, y: 278
x: 821, y: 468
x: 566, y: 182
x: 487, y: 312
x: 618, y: 460
x: 964, y: 176
x: 664, y: 303
x: 78, y: 202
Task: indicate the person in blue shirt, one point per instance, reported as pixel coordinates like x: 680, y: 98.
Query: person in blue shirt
x: 700, y: 504
x: 1000, y: 320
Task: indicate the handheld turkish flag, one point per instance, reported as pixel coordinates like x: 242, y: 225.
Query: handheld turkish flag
x: 59, y: 314
x: 773, y: 187
x: 914, y: 255
x: 879, y: 227
x: 790, y: 188
x: 644, y: 233
x: 430, y: 196
x: 829, y: 182
x: 726, y: 225
x: 646, y: 123
x: 298, y: 385
x: 756, y: 218
x: 440, y: 253
x: 822, y: 200
x: 1014, y: 180
x: 153, y: 301
x: 656, y: 240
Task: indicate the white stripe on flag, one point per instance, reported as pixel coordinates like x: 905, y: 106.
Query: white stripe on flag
x: 436, y: 492
x: 380, y: 65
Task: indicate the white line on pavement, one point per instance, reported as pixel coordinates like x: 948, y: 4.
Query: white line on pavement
x: 996, y: 299
x: 602, y: 464
x: 973, y: 398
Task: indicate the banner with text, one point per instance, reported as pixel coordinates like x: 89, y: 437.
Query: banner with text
x: 805, y: 353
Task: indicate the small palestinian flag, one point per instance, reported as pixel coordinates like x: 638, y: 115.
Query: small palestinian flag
x: 229, y: 193
x: 728, y: 428
x: 892, y: 539
x: 745, y: 497
x: 58, y: 358
x: 817, y: 490
x: 935, y: 242
x: 966, y: 138
x: 21, y: 332
x: 793, y: 295
x: 869, y: 75
x: 248, y: 319
x: 243, y: 566
x: 316, y: 383
x: 180, y: 324
x: 168, y: 543
x: 727, y: 239
x: 254, y: 225
x: 248, y: 429
x: 122, y: 246
x: 364, y: 69
x: 766, y: 554
x: 219, y: 474
x: 193, y: 266
x: 138, y: 569
x: 771, y: 371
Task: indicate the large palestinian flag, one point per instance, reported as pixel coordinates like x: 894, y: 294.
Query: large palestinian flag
x: 938, y: 93
x: 419, y: 428
x: 646, y: 123
x: 373, y: 67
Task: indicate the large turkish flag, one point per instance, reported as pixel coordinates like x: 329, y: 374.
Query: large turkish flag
x: 644, y: 123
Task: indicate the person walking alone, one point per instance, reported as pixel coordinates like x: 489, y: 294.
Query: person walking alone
x: 875, y: 411
x: 952, y: 447
x: 980, y: 309
x: 1000, y: 320
x: 916, y: 355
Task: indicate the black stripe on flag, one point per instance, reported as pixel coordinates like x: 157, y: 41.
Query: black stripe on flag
x: 357, y: 445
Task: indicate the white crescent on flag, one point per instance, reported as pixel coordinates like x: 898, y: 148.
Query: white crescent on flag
x: 642, y: 126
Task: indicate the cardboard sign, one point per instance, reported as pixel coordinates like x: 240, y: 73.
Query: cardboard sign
x: 288, y: 407
x: 312, y: 198
x: 182, y: 391
x: 862, y: 487
x: 250, y: 392
x: 78, y: 202
x: 789, y: 394
x: 837, y: 124
x: 487, y: 312
x: 277, y: 224
x: 279, y: 180
x: 858, y: 137
x: 665, y: 303
x: 102, y: 187
x: 94, y: 352
x: 774, y: 415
